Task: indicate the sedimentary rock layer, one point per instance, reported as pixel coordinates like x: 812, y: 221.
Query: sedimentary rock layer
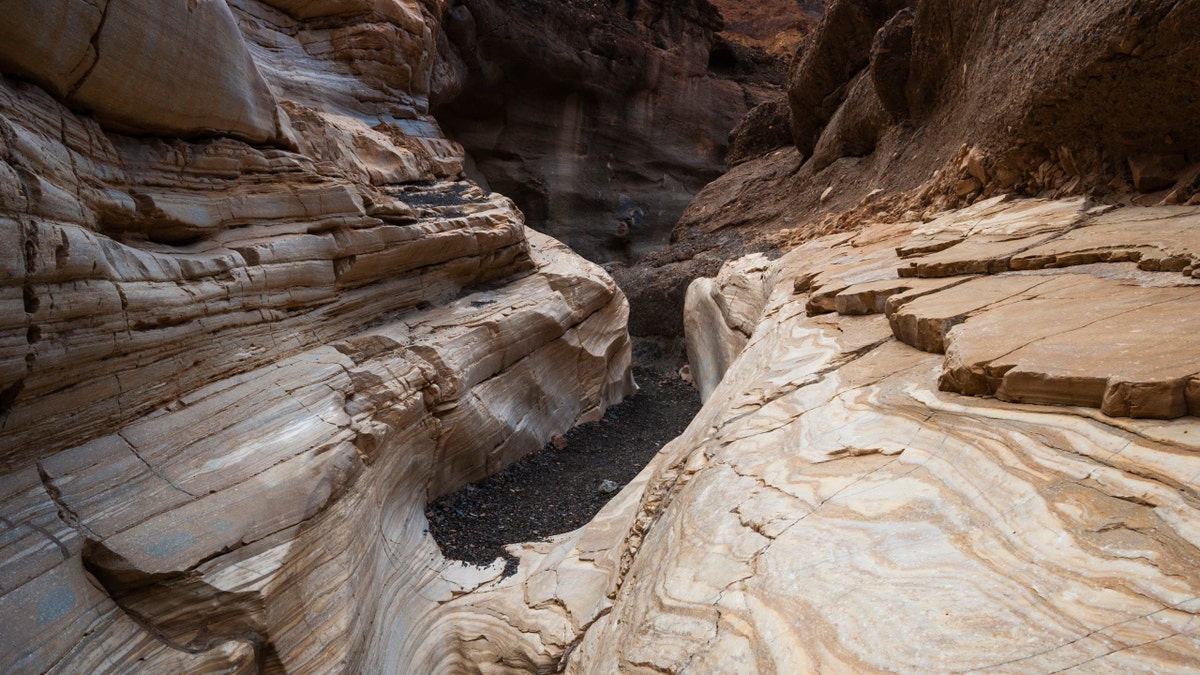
x: 249, y: 324
x: 832, y: 508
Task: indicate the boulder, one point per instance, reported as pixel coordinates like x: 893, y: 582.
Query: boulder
x: 192, y: 76
x: 839, y: 50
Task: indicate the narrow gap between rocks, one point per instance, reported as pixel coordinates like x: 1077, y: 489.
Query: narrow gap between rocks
x: 562, y: 486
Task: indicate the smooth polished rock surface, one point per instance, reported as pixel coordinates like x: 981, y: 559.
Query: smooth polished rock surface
x: 831, y: 509
x: 251, y: 320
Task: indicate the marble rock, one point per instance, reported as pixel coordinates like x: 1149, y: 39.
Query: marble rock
x: 191, y: 75
x: 833, y: 509
x: 720, y: 314
x: 252, y: 318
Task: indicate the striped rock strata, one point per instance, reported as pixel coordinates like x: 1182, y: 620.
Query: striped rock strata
x: 241, y: 349
x: 833, y: 508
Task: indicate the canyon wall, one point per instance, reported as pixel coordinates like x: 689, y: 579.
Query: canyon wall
x: 924, y: 106
x: 600, y: 119
x: 951, y: 414
x: 253, y: 319
x: 968, y: 444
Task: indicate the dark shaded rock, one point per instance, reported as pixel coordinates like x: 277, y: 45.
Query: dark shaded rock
x: 763, y: 129
x: 855, y: 128
x: 891, y: 52
x: 839, y: 49
x: 601, y: 120
x: 656, y: 289
x: 1155, y: 172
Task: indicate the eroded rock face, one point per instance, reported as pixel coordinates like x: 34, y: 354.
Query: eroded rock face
x: 192, y: 75
x: 834, y: 508
x: 903, y: 110
x: 241, y: 349
x: 600, y: 119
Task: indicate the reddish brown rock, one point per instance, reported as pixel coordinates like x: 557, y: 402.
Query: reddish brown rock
x: 891, y: 53
x: 1161, y: 239
x: 986, y: 237
x: 1155, y: 172
x: 765, y: 128
x: 839, y: 49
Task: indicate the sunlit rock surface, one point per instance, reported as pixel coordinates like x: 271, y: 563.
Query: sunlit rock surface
x: 251, y: 319
x: 251, y: 324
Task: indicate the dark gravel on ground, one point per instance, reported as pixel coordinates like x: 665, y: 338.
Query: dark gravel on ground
x: 553, y: 491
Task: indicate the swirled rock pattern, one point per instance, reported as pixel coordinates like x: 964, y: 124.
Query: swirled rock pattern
x: 832, y: 509
x: 251, y: 320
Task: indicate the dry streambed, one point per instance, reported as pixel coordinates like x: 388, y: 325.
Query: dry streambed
x: 562, y: 486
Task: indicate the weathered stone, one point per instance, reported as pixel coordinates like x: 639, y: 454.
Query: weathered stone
x: 984, y: 238
x: 719, y: 317
x: 966, y: 186
x: 194, y: 73
x: 1154, y: 172
x: 1158, y: 239
x: 891, y: 53
x: 600, y: 119
x: 827, y: 477
x: 887, y: 295
x: 765, y: 128
x: 1078, y: 340
x: 232, y: 375
x: 837, y: 52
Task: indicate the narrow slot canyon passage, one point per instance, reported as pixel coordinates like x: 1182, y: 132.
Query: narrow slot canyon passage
x: 562, y: 486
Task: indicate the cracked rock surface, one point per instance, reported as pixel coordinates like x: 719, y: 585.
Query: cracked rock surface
x: 252, y: 319
x: 832, y: 508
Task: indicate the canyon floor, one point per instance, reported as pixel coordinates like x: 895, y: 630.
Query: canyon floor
x: 562, y: 486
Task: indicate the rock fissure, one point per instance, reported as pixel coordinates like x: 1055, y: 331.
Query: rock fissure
x: 1089, y: 635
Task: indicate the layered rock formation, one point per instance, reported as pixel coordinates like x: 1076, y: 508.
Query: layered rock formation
x: 600, y: 119
x: 248, y: 334
x: 835, y: 508
x: 839, y: 505
x: 253, y: 320
x: 924, y: 106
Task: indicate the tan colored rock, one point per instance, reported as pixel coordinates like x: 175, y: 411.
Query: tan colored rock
x: 967, y: 186
x: 982, y: 239
x: 887, y: 295
x: 232, y: 375
x: 1077, y: 340
x: 973, y: 164
x: 828, y: 477
x: 192, y: 75
x: 925, y: 322
x: 1158, y: 239
x: 720, y: 315
x: 828, y: 486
